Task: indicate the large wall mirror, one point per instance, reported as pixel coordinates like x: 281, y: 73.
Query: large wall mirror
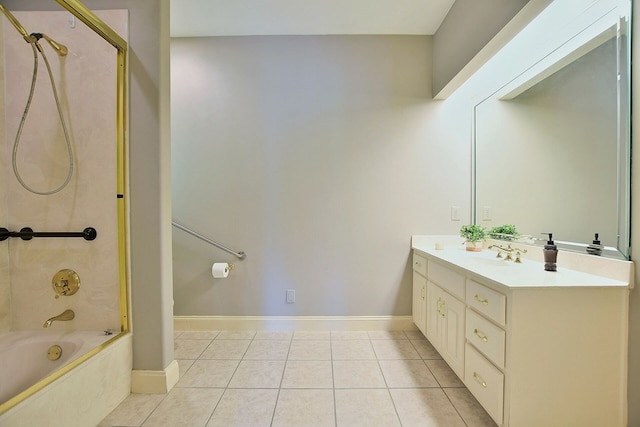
x: 552, y: 147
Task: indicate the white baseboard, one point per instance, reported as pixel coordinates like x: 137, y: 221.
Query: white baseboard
x: 294, y: 323
x: 155, y: 382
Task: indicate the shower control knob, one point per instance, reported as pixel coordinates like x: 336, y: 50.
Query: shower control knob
x: 65, y: 282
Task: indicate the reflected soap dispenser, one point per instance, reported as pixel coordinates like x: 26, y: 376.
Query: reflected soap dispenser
x: 595, y: 248
x: 550, y: 252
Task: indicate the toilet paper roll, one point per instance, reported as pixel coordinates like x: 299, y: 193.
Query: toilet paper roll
x: 220, y: 270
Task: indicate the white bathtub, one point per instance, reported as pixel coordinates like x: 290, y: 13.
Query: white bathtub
x: 24, y: 362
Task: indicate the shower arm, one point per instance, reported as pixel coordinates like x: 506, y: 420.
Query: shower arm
x: 16, y: 24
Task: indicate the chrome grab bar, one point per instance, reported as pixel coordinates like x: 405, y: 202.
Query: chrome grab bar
x: 240, y: 254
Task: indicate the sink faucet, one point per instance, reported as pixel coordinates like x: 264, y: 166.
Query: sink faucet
x: 65, y: 315
x: 509, y: 250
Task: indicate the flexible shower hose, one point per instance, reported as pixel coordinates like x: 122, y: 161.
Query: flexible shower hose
x: 24, y: 118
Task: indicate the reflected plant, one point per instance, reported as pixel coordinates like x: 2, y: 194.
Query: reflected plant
x: 506, y: 232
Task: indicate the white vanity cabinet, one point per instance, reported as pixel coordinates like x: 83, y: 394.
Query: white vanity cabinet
x: 549, y: 354
x: 419, y: 307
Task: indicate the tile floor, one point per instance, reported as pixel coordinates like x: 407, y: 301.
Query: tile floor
x: 300, y: 379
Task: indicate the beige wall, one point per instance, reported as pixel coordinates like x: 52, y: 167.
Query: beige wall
x: 88, y: 200
x: 5, y: 288
x: 319, y: 156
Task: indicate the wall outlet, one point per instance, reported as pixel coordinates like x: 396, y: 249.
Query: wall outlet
x: 486, y: 213
x: 291, y: 296
x: 455, y: 213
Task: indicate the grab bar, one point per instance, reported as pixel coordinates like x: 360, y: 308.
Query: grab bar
x: 27, y: 233
x: 240, y: 254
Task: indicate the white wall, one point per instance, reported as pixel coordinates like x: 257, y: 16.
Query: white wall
x: 319, y: 156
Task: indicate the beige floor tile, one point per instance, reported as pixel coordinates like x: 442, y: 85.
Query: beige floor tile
x: 185, y: 407
x: 183, y: 366
x: 304, y: 408
x: 226, y: 349
x: 258, y: 374
x: 415, y: 335
x: 311, y: 335
x: 250, y: 408
x: 366, y: 408
x: 236, y: 335
x: 394, y: 349
x: 427, y: 407
x: 349, y: 335
x: 176, y: 334
x: 133, y: 411
x: 199, y: 335
x: 468, y: 407
x: 357, y: 374
x: 425, y: 349
x: 407, y: 374
x: 307, y: 374
x: 189, y: 349
x: 209, y: 373
x: 352, y: 350
x: 387, y: 335
x: 267, y: 350
x: 273, y: 335
x: 443, y: 373
x: 310, y: 350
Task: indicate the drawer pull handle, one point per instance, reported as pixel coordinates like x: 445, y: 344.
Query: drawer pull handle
x: 481, y: 300
x: 479, y: 380
x: 480, y: 335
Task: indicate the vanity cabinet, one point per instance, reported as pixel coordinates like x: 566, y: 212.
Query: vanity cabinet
x: 419, y: 303
x: 532, y: 355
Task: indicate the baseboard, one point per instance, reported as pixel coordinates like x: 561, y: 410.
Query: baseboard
x: 294, y: 323
x: 155, y: 382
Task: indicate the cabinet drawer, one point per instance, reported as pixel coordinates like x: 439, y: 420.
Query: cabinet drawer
x: 487, y: 301
x: 420, y: 264
x: 447, y: 279
x: 485, y: 382
x: 486, y: 337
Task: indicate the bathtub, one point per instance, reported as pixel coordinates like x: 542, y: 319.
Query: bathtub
x: 91, y: 376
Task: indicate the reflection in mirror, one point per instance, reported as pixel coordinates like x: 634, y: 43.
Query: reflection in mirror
x: 548, y: 158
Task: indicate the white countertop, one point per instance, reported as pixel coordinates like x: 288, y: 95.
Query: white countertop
x: 528, y: 274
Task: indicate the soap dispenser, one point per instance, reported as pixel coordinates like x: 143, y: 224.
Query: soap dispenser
x: 595, y: 248
x: 550, y: 252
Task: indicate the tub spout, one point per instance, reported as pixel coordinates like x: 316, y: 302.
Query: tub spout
x: 65, y: 315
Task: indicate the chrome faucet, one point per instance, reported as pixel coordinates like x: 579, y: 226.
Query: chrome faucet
x: 65, y: 315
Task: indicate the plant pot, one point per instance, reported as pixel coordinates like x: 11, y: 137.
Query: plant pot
x: 473, y: 246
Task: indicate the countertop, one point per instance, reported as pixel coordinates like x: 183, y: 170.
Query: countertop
x: 528, y: 274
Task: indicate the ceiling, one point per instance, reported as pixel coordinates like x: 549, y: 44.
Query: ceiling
x: 201, y: 18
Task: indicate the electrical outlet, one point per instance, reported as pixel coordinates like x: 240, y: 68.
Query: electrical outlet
x: 291, y: 296
x: 486, y: 213
x: 455, y: 213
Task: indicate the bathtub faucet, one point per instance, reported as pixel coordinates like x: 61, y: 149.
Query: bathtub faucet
x: 65, y: 315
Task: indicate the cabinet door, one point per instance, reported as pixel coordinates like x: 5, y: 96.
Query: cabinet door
x: 452, y: 333
x: 420, y: 302
x: 434, y: 300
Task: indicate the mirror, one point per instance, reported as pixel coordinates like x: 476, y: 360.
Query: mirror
x: 552, y: 148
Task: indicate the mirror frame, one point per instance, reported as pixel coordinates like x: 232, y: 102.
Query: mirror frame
x: 612, y: 24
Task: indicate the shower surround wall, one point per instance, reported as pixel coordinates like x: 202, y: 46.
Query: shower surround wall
x: 86, y: 86
x: 5, y: 288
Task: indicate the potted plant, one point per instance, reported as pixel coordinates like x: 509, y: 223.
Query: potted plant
x: 474, y: 235
x: 504, y: 232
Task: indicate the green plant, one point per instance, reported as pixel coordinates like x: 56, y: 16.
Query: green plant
x: 504, y: 232
x: 473, y: 232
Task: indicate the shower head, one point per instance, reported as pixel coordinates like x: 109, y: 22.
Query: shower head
x: 58, y: 47
x: 34, y: 37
